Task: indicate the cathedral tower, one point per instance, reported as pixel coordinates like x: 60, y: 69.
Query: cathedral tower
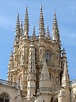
x: 37, y: 63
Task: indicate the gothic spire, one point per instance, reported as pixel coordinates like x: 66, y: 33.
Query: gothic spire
x: 41, y: 24
x: 55, y: 30
x: 17, y: 36
x: 33, y: 34
x: 26, y: 24
x: 47, y: 33
x: 65, y: 76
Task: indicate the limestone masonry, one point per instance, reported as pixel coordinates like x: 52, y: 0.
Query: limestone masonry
x: 37, y: 69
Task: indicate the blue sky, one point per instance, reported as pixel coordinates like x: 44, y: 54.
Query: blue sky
x: 66, y: 16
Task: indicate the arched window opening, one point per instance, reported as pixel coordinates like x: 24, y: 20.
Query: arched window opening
x: 56, y: 100
x: 43, y: 100
x: 51, y: 99
x: 4, y: 97
x: 50, y: 75
x: 48, y: 57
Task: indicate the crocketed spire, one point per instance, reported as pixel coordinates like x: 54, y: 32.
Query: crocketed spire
x: 55, y: 30
x: 26, y: 24
x: 17, y: 35
x: 65, y: 75
x: 41, y: 24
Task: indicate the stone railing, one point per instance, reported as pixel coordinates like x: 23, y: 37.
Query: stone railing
x: 9, y: 83
x: 48, y: 90
x: 44, y: 89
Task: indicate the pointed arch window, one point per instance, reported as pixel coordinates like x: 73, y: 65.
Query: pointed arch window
x: 43, y: 100
x: 4, y: 97
x: 56, y: 100
x: 51, y: 99
x: 48, y: 57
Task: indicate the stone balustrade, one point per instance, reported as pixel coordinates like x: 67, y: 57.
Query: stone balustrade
x: 8, y: 83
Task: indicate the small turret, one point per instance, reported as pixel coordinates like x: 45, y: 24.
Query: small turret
x: 45, y: 91
x: 41, y: 24
x: 26, y: 24
x: 31, y: 84
x: 31, y: 60
x: 55, y: 30
x: 63, y: 58
x: 65, y: 76
x: 65, y: 79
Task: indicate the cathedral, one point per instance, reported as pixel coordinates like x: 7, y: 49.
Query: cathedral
x: 37, y: 69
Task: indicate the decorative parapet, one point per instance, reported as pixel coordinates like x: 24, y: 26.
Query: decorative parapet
x: 48, y: 90
x: 9, y: 83
x: 44, y: 89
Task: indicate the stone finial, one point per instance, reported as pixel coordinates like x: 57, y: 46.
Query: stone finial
x: 26, y: 24
x: 41, y: 24
x: 55, y: 30
x: 17, y: 35
x: 65, y: 75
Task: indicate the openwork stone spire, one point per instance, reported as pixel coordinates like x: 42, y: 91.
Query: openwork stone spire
x: 26, y: 24
x: 55, y: 30
x: 17, y: 36
x: 41, y: 24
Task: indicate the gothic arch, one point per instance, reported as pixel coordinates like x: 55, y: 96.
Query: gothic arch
x: 56, y: 100
x: 48, y: 56
x: 43, y: 100
x: 51, y: 99
x: 4, y: 97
